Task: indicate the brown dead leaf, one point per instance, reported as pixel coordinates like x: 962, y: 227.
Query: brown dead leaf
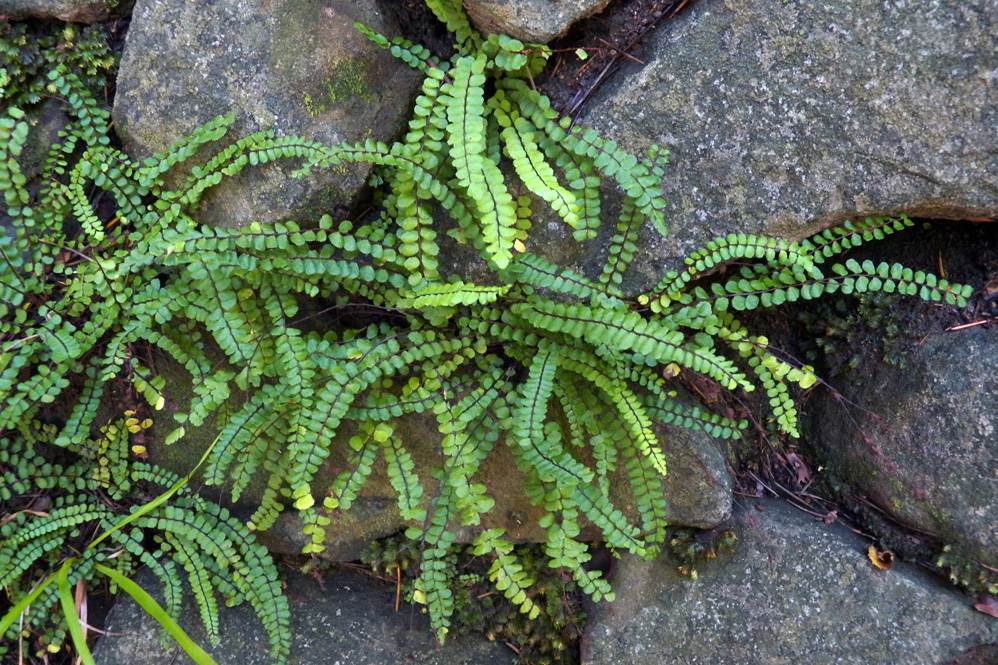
x: 881, y: 559
x: 803, y: 473
x: 988, y: 605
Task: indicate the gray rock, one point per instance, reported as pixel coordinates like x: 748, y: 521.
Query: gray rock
x: 785, y: 118
x: 50, y: 118
x: 535, y: 21
x: 71, y: 11
x: 295, y: 68
x: 934, y: 463
x: 349, y: 618
x: 792, y: 591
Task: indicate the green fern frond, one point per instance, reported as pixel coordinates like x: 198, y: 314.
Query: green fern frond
x: 831, y: 242
x: 505, y: 573
x: 451, y: 13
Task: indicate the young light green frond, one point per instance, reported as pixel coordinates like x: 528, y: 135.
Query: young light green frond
x: 475, y: 173
x: 535, y: 172
x: 465, y: 102
x: 455, y: 294
x: 416, y: 56
x: 634, y: 177
x: 505, y: 573
x: 451, y: 13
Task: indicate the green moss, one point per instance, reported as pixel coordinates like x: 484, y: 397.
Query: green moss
x: 968, y: 573
x: 348, y: 82
x: 692, y: 547
x: 852, y: 331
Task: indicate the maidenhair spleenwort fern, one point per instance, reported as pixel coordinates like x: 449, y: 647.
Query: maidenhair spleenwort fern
x: 67, y: 525
x: 564, y: 370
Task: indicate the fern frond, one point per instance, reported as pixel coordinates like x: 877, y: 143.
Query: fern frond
x: 534, y: 171
x: 199, y: 582
x: 623, y: 245
x: 478, y: 175
x: 451, y: 13
x: 505, y: 573
x: 535, y: 271
x: 721, y: 250
x: 540, y: 445
x: 831, y: 242
x: 629, y: 332
x: 401, y: 474
x: 416, y: 56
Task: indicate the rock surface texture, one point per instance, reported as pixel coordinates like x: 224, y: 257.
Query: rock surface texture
x: 348, y: 619
x: 73, y: 11
x: 536, y: 21
x: 934, y: 464
x: 786, y: 117
x: 294, y: 68
x: 793, y: 591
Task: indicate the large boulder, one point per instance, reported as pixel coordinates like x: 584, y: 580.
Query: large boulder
x: 292, y: 67
x: 534, y: 21
x: 785, y: 118
x: 345, y: 618
x: 793, y: 590
x: 931, y: 459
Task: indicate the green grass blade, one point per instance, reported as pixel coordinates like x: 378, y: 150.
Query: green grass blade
x: 72, y: 620
x: 147, y: 603
x: 18, y: 609
x: 148, y: 507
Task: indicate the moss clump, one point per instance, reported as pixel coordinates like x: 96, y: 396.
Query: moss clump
x: 853, y: 331
x: 550, y: 639
x: 963, y: 571
x: 694, y: 547
x: 348, y: 82
x: 31, y: 49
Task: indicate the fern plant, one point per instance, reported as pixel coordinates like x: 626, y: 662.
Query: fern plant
x: 68, y: 525
x: 30, y: 49
x: 564, y: 370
